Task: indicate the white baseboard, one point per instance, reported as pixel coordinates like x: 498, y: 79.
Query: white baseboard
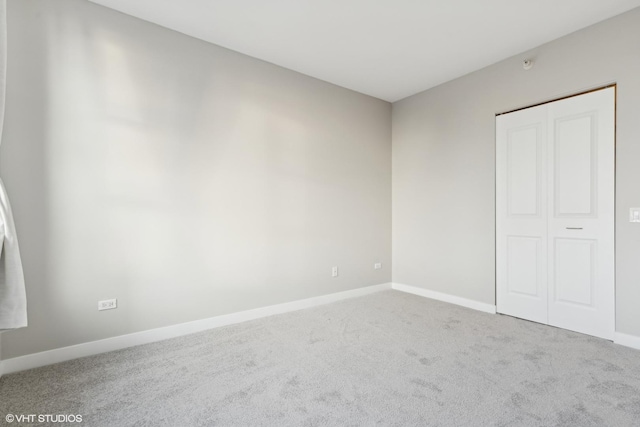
x: 627, y: 340
x: 452, y: 299
x: 57, y: 355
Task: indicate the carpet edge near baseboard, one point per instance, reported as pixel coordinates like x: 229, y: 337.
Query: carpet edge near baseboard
x: 91, y: 348
x: 440, y: 296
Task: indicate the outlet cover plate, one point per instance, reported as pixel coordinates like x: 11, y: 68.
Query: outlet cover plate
x: 108, y: 304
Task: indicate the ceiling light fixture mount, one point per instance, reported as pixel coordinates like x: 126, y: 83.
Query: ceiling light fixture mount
x: 527, y: 64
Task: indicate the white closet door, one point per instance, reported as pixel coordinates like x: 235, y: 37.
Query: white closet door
x: 555, y: 213
x: 581, y: 213
x: 521, y: 211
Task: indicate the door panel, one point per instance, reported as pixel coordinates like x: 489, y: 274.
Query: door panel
x: 523, y: 259
x: 521, y: 209
x: 522, y: 171
x: 575, y: 166
x: 581, y: 213
x: 575, y: 272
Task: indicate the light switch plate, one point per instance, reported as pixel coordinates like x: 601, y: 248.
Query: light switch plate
x: 634, y: 215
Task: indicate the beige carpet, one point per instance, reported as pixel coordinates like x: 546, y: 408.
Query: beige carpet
x: 388, y: 359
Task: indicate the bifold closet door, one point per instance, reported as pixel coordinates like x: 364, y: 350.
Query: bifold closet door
x: 521, y: 214
x: 581, y: 213
x: 560, y: 271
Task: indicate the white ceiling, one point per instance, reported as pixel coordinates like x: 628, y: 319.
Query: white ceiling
x: 388, y: 49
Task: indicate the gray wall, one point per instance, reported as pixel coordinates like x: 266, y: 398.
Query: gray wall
x: 186, y: 180
x: 443, y: 161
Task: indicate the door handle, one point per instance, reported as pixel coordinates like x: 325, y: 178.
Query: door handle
x: 574, y: 228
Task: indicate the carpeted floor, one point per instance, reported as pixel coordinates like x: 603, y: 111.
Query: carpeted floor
x: 389, y: 359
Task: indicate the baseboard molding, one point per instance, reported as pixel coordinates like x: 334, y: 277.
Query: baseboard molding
x: 452, y: 299
x: 627, y: 340
x: 63, y: 354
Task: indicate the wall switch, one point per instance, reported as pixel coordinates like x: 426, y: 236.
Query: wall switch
x: 377, y: 266
x: 108, y: 304
x: 334, y: 272
x: 634, y: 215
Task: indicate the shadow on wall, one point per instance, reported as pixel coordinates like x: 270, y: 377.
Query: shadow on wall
x: 184, y: 179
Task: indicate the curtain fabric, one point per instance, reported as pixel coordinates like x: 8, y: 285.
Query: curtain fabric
x: 13, y: 299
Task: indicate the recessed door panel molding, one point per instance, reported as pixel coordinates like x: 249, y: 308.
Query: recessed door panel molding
x: 575, y: 271
x: 523, y: 262
x: 575, y: 166
x: 523, y: 170
x: 555, y: 213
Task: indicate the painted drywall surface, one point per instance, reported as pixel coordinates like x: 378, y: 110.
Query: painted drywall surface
x: 443, y: 161
x: 183, y: 179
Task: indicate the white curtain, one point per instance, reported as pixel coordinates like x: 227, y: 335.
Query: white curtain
x: 13, y: 299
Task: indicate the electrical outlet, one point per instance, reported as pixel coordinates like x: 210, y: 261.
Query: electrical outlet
x: 334, y: 272
x: 377, y: 266
x: 108, y: 304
